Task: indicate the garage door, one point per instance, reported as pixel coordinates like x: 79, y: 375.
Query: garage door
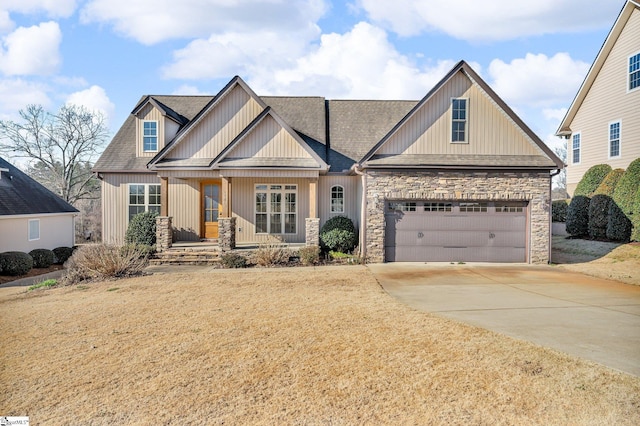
x: 456, y: 231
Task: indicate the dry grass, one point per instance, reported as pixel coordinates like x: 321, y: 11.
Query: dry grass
x: 280, y: 346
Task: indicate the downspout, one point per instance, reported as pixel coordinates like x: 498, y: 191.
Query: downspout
x: 551, y: 176
x: 363, y: 211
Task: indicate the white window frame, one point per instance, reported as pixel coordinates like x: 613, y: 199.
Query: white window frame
x: 146, y: 199
x: 332, y: 207
x: 629, y: 72
x: 37, y: 229
x: 579, y: 135
x: 284, y: 190
x: 465, y: 121
x: 619, y: 123
x: 156, y: 136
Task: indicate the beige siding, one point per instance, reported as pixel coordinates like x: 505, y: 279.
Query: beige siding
x: 206, y: 174
x: 56, y: 230
x: 269, y: 140
x: 243, y: 207
x: 115, y: 202
x: 490, y: 130
x: 352, y: 206
x: 273, y: 173
x: 221, y: 125
x: 608, y: 100
x: 184, y: 208
x: 170, y: 130
x: 149, y: 113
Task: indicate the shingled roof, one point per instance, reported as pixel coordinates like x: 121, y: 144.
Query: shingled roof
x: 21, y: 195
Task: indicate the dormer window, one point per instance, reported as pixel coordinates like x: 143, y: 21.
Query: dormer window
x: 150, y: 136
x: 634, y: 71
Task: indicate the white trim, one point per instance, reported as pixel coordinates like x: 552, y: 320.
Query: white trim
x: 142, y: 136
x: 30, y: 237
x: 146, y: 195
x: 466, y: 120
x: 344, y: 199
x: 628, y: 74
x: 619, y: 122
x: 282, y: 212
x: 37, y: 215
x: 580, y: 148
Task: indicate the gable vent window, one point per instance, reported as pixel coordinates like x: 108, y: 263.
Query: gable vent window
x: 150, y: 136
x: 575, y: 149
x: 459, y: 115
x: 634, y: 71
x: 337, y: 199
x: 614, y: 139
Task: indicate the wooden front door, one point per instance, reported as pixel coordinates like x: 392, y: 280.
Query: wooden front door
x: 210, y: 209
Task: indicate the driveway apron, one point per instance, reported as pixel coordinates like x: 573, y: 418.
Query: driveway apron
x: 595, y: 319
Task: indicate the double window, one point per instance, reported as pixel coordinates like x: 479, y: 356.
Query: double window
x: 575, y: 148
x: 337, y: 199
x: 634, y: 71
x: 459, y: 116
x: 614, y: 139
x: 276, y: 209
x: 143, y: 197
x: 149, y: 136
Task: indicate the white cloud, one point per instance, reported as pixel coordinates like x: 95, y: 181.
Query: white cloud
x: 31, y: 51
x: 359, y: 64
x: 94, y: 99
x: 188, y: 90
x: 538, y: 80
x: 53, y: 8
x: 152, y: 21
x: 475, y: 20
x: 555, y: 115
x: 6, y: 24
x: 15, y: 94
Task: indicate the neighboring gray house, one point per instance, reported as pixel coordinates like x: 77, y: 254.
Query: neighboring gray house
x: 31, y: 216
x: 456, y: 176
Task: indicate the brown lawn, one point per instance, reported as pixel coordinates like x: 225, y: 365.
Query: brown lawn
x: 280, y: 346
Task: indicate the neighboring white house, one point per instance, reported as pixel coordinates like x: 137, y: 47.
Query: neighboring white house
x: 31, y: 216
x: 602, y: 126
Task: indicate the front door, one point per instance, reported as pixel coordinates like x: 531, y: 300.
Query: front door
x: 210, y: 209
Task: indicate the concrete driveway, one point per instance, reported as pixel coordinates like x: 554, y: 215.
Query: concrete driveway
x: 591, y: 318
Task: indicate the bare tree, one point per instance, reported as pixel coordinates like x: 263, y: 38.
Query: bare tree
x: 560, y: 181
x: 61, y: 147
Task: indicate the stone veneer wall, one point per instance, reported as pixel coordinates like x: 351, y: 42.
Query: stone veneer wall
x: 517, y: 186
x: 164, y: 233
x: 227, y: 233
x: 312, y: 231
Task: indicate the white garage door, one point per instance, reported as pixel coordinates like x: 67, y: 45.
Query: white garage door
x: 455, y: 231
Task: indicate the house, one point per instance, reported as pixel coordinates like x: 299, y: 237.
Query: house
x: 31, y: 216
x: 456, y: 176
x: 602, y: 125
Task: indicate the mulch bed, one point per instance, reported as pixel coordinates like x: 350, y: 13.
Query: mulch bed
x: 32, y: 273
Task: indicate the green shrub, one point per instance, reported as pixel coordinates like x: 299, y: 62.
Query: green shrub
x: 599, y: 216
x: 43, y: 284
x: 142, y: 229
x: 618, y: 224
x: 578, y: 216
x: 626, y: 198
x: 102, y: 261
x: 62, y: 254
x: 627, y: 189
x: 635, y: 219
x: 42, y: 258
x: 559, y: 210
x: 592, y: 179
x: 338, y: 234
x: 309, y: 255
x: 234, y: 260
x: 15, y: 263
x: 609, y: 183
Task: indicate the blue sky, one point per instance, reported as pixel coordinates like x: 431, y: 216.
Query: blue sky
x: 106, y: 54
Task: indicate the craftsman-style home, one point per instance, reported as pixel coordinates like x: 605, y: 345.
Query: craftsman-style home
x: 456, y: 176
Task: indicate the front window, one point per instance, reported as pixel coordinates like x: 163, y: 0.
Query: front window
x: 143, y: 198
x: 575, y: 150
x: 458, y: 120
x: 150, y: 136
x: 34, y: 229
x: 634, y: 71
x: 337, y: 199
x: 614, y: 139
x: 276, y: 209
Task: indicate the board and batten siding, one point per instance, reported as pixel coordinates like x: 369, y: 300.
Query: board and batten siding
x: 490, y: 130
x: 219, y: 127
x: 352, y: 191
x: 269, y: 140
x: 56, y: 230
x: 149, y: 113
x: 184, y: 208
x: 608, y: 100
x: 115, y: 202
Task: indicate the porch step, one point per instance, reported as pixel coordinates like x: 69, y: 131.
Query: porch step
x: 180, y: 257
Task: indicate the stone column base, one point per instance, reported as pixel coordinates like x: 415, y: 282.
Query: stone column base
x: 164, y: 233
x: 227, y: 233
x: 312, y: 231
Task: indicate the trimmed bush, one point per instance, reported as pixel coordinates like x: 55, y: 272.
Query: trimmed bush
x: 609, y: 183
x: 142, y: 229
x: 635, y: 219
x: 599, y: 216
x: 15, y: 263
x: 559, y: 210
x: 625, y: 198
x: 338, y: 234
x: 234, y: 260
x: 618, y: 224
x: 309, y: 255
x: 626, y: 191
x: 42, y: 258
x: 578, y: 216
x: 592, y: 180
x: 62, y: 254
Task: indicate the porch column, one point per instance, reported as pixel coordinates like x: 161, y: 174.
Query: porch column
x: 227, y: 233
x: 164, y: 233
x: 164, y: 196
x: 312, y: 223
x: 225, y: 197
